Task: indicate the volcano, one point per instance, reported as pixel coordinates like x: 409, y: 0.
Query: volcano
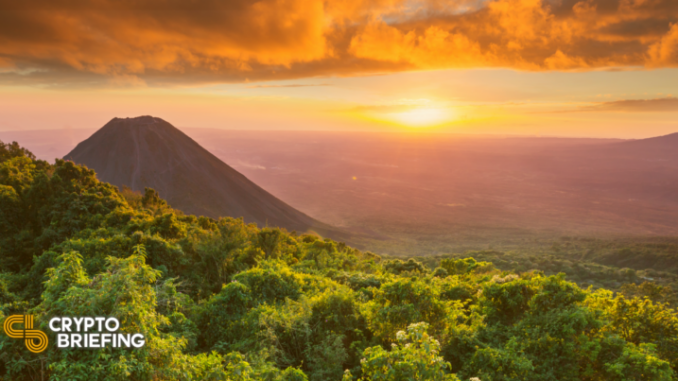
x: 149, y: 152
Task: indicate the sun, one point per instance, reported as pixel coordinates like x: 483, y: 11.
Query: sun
x: 422, y: 117
x: 417, y: 113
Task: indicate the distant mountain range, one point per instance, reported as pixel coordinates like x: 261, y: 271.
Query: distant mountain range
x: 666, y: 145
x: 149, y: 152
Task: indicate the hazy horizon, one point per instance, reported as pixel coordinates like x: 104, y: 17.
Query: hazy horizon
x: 428, y: 192
x: 187, y: 129
x: 45, y: 142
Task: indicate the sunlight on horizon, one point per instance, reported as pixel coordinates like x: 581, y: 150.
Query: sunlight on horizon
x: 423, y: 117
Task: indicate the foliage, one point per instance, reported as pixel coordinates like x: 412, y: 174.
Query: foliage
x: 415, y: 356
x: 398, y: 267
x: 402, y: 302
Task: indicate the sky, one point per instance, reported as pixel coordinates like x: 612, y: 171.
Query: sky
x: 589, y: 68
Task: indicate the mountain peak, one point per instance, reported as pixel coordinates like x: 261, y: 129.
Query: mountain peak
x: 137, y: 121
x: 146, y: 151
x: 140, y: 119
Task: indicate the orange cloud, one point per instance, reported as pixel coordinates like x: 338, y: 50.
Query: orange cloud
x: 161, y: 42
x: 435, y: 47
x: 636, y: 105
x: 291, y: 85
x: 665, y: 52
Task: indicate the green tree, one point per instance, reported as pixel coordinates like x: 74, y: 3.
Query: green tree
x: 415, y: 356
x: 402, y: 302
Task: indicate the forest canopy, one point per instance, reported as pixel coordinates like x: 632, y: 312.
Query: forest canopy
x: 225, y: 300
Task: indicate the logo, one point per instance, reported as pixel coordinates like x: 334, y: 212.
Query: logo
x: 35, y: 340
x: 73, y: 332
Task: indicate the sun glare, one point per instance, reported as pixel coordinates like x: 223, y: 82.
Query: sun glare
x: 422, y: 117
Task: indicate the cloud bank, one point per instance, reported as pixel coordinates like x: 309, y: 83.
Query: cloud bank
x: 190, y: 42
x: 637, y: 105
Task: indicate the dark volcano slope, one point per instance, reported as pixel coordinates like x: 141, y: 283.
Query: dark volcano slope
x: 149, y: 152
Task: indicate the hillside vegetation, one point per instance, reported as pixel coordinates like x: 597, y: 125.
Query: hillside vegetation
x: 626, y: 265
x: 224, y: 300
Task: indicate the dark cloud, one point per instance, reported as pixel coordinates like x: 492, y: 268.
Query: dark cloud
x: 638, y: 28
x: 189, y: 42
